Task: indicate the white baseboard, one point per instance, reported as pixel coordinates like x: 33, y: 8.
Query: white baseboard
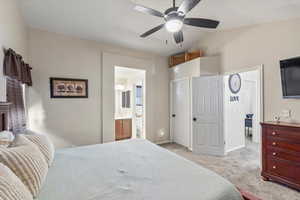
x: 235, y: 148
x: 163, y: 142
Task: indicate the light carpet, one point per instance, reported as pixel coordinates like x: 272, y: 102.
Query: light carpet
x: 241, y: 167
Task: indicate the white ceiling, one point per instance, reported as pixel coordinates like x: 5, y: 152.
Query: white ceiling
x: 115, y: 21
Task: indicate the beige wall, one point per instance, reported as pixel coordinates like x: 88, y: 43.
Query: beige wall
x: 12, y: 35
x: 79, y: 121
x: 261, y: 44
x: 157, y: 94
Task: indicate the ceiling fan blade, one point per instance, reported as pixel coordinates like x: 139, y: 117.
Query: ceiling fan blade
x: 187, y: 5
x: 200, y: 22
x: 152, y: 30
x: 178, y: 37
x: 149, y: 11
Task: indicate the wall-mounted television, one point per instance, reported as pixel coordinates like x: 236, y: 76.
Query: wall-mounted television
x: 290, y: 77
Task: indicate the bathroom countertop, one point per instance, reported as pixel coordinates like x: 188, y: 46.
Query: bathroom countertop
x: 125, y: 117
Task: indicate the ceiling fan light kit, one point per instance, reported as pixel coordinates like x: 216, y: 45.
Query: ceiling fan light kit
x: 175, y: 19
x: 174, y: 25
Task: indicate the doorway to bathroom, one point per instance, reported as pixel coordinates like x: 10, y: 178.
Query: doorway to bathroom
x: 130, y: 92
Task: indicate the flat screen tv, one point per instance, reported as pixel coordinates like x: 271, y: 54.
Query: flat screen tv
x: 290, y: 77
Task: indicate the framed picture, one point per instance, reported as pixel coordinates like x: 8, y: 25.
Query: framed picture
x: 68, y: 88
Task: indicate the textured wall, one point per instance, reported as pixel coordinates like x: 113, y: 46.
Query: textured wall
x: 12, y: 35
x: 79, y: 121
x: 261, y: 44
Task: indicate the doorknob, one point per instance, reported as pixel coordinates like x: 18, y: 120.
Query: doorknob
x: 194, y: 119
x: 173, y: 115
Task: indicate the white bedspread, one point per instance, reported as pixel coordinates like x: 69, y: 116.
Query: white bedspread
x: 131, y: 170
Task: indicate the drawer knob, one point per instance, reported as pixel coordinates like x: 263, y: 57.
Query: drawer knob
x: 274, y: 133
x: 274, y: 144
x: 274, y: 154
x: 274, y: 167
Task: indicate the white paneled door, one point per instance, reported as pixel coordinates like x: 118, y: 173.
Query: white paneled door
x: 180, y: 111
x: 207, y: 113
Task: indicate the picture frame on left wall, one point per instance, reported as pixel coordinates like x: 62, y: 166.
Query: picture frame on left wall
x: 68, y: 88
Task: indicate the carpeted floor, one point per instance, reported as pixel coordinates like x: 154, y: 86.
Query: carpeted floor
x: 241, y: 167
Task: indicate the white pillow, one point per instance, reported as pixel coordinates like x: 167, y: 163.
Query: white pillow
x: 27, y: 162
x: 6, y: 138
x: 11, y: 187
x: 45, y: 145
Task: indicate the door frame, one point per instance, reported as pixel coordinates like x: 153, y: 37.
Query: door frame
x: 190, y: 109
x: 260, y: 92
x: 133, y: 101
x: 109, y: 62
x: 257, y: 107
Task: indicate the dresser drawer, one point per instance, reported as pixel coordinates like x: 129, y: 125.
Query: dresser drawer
x: 279, y: 132
x: 283, y: 144
x: 283, y: 154
x: 283, y: 169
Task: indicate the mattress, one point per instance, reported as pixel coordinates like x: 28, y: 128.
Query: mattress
x: 131, y: 170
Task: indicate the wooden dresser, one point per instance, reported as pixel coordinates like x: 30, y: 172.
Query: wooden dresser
x: 281, y: 153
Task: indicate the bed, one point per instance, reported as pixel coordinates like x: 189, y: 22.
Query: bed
x: 131, y: 170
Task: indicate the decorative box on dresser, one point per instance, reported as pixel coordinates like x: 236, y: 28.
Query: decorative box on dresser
x: 281, y: 153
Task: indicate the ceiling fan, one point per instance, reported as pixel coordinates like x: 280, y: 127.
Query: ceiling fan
x: 175, y: 19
